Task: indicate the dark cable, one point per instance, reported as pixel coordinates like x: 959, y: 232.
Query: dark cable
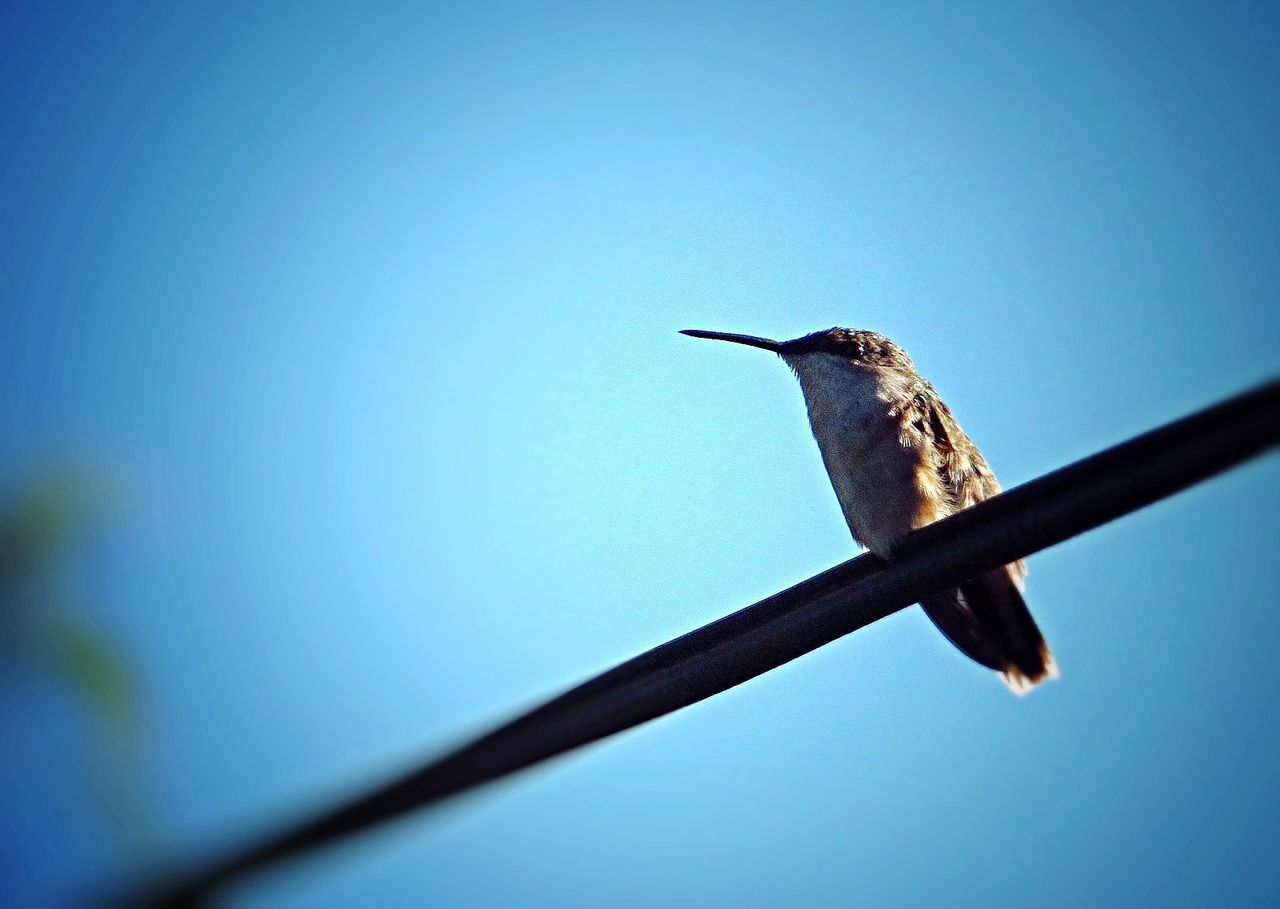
x: 787, y: 625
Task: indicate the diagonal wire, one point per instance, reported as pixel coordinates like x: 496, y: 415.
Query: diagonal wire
x: 725, y: 653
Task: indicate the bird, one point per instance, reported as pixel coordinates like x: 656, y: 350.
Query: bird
x: 898, y: 461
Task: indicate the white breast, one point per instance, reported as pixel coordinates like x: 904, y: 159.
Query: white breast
x: 872, y: 473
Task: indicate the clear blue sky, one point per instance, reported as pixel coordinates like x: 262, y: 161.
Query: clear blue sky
x: 370, y: 312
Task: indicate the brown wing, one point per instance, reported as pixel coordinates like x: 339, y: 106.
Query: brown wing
x: 985, y: 618
x: 964, y: 476
x: 961, y: 467
x: 952, y: 472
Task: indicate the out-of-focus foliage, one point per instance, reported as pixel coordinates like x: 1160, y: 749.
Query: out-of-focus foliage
x: 91, y: 666
x: 40, y: 525
x: 45, y: 629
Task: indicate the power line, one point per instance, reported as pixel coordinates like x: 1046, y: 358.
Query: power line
x: 725, y: 653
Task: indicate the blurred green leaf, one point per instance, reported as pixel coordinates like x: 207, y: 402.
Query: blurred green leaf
x: 93, y: 669
x: 40, y: 523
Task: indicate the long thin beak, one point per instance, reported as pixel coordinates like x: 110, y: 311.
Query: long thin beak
x: 749, y: 340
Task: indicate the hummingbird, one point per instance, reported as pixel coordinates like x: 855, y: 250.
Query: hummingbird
x: 898, y: 460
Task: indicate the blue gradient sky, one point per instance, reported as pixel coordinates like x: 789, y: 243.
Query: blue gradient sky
x: 369, y: 311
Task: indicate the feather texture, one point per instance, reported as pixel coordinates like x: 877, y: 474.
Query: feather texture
x: 898, y: 460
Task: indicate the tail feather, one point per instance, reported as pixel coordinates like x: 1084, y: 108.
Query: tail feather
x: 1006, y: 621
x: 951, y: 614
x: 987, y: 620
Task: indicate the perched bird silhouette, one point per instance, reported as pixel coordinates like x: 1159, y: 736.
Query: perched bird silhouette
x: 899, y: 460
